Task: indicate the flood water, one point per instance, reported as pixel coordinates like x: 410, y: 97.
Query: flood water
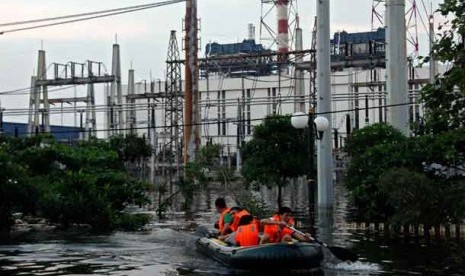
x: 168, y: 247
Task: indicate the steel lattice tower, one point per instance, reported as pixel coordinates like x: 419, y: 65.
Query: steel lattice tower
x: 172, y: 153
x: 278, y: 23
x: 411, y: 19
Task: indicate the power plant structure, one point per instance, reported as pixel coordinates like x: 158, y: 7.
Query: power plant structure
x: 222, y: 96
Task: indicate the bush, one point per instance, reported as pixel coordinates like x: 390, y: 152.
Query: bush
x: 81, y: 184
x: 414, y: 197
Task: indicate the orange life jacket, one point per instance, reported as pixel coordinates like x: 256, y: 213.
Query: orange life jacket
x: 247, y: 235
x: 272, y: 230
x: 237, y: 218
x: 221, y: 220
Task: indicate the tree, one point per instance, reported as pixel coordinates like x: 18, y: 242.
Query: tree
x: 196, y: 172
x: 382, y: 176
x: 445, y: 99
x: 414, y: 198
x: 86, y: 183
x: 276, y: 153
x: 9, y: 175
x: 372, y: 149
x: 386, y: 175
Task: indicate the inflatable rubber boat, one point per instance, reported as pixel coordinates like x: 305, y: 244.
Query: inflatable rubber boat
x: 263, y: 257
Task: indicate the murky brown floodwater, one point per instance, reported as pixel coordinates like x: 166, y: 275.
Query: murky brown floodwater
x: 166, y: 249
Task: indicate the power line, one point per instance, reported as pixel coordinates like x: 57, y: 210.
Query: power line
x: 26, y: 91
x: 92, y: 17
x: 73, y: 15
x: 219, y: 120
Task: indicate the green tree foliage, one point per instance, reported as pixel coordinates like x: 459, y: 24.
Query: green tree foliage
x: 276, y: 153
x: 196, y: 172
x: 367, y: 137
x: 376, y: 171
x: 373, y: 149
x: 130, y: 147
x: 253, y: 203
x: 445, y: 99
x: 9, y: 175
x: 414, y: 198
x: 419, y: 179
x: 85, y: 183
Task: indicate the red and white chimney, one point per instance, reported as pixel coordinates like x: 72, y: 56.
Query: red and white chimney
x: 283, y: 27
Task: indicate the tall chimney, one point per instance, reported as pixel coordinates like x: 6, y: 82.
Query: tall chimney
x: 283, y: 27
x: 251, y: 32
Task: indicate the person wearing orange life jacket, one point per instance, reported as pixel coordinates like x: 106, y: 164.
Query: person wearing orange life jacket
x: 237, y: 213
x: 225, y: 219
x: 247, y: 232
x: 277, y: 228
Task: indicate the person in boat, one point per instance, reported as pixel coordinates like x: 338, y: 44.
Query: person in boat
x: 247, y: 233
x: 277, y: 228
x: 226, y: 219
x: 237, y: 213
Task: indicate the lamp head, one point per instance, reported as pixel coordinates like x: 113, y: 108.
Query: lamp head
x: 321, y: 125
x: 299, y: 120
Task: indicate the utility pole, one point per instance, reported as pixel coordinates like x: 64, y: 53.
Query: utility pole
x: 81, y: 123
x: 154, y: 143
x: 299, y: 101
x: 396, y: 67
x: 239, y: 133
x: 323, y: 59
x: 432, y: 62
x: 192, y: 107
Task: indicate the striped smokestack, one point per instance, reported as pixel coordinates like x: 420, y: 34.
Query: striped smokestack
x: 283, y: 27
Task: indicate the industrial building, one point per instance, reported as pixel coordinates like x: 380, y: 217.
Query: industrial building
x: 353, y: 79
x: 236, y: 92
x: 61, y: 133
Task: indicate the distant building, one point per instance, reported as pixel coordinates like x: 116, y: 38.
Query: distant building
x: 260, y: 64
x: 363, y: 49
x: 232, y: 102
x: 61, y: 133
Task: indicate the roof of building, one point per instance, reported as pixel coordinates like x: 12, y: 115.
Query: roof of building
x: 245, y: 47
x: 363, y: 37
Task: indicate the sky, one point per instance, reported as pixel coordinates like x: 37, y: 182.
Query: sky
x: 143, y: 36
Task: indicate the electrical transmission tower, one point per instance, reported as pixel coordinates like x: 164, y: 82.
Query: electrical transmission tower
x: 411, y: 19
x: 278, y: 23
x: 172, y: 149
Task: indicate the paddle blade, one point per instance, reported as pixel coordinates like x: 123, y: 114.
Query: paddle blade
x: 343, y: 253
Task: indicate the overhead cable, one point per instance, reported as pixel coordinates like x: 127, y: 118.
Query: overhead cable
x: 92, y: 17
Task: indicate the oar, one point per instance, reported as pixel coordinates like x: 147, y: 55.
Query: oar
x: 339, y: 252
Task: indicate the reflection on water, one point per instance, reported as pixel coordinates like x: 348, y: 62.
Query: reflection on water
x: 168, y: 249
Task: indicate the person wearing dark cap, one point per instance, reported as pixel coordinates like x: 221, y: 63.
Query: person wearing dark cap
x: 277, y: 228
x: 226, y: 219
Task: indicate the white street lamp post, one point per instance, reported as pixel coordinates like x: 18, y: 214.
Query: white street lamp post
x: 316, y: 128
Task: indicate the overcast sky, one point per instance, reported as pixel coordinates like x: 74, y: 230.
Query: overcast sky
x: 143, y: 35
